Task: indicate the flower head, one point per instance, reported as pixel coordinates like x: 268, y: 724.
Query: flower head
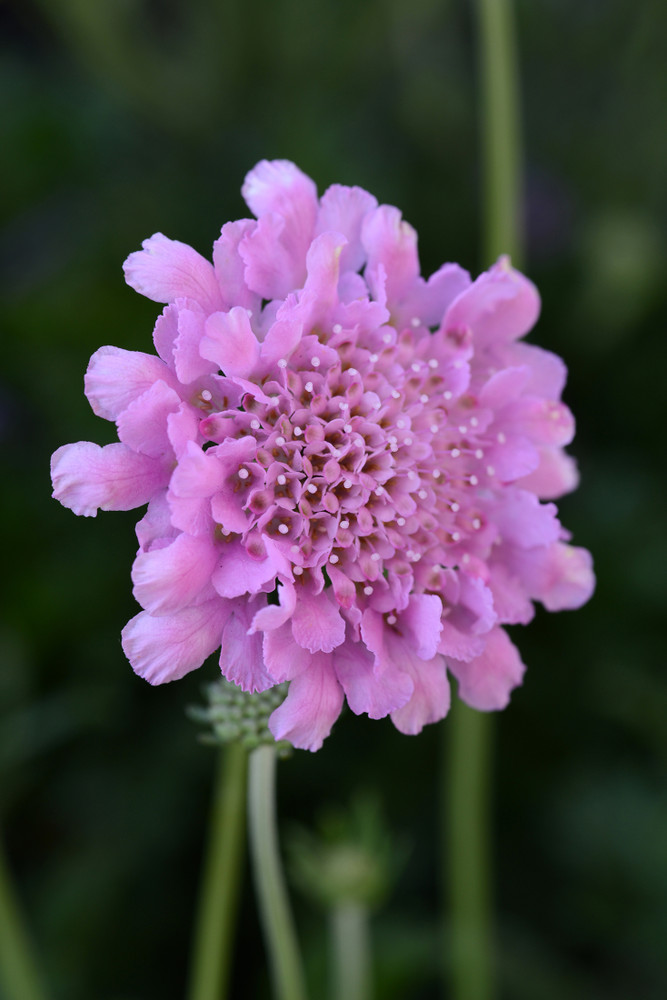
x: 343, y: 463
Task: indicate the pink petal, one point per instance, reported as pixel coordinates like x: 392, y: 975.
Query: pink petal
x: 430, y: 698
x: 391, y: 244
x: 165, y: 649
x: 86, y: 477
x: 156, y: 522
x: 284, y: 657
x: 230, y: 342
x: 560, y: 577
x: 237, y: 573
x: 501, y: 305
x: 313, y: 704
x: 556, y: 475
x: 342, y: 210
x: 166, y: 270
x: 367, y: 691
x: 188, y: 361
x: 524, y: 521
x: 198, y: 473
x: 241, y: 658
x: 115, y: 378
x: 143, y: 425
x: 421, y: 623
x: 486, y: 682
x: 168, y: 579
x: 230, y: 267
x: 273, y: 615
x: 317, y: 623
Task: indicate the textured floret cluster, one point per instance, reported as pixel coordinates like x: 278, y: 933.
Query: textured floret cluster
x: 343, y: 463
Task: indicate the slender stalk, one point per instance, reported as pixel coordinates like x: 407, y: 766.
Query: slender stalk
x: 351, y: 952
x: 220, y: 880
x: 19, y: 979
x: 471, y: 935
x: 470, y: 744
x: 275, y: 913
x: 501, y: 141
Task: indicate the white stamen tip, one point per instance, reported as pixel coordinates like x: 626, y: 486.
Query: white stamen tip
x: 407, y: 441
x: 206, y: 395
x: 415, y: 321
x: 344, y: 525
x: 386, y: 338
x: 347, y: 484
x: 373, y: 358
x: 282, y: 363
x: 434, y: 428
x: 379, y: 491
x: 433, y: 363
x: 308, y: 386
x: 337, y: 328
x: 280, y: 441
x: 315, y: 362
x: 436, y: 473
x: 333, y: 558
x: 447, y: 394
x: 391, y: 619
x: 501, y: 438
x: 415, y: 366
x: 477, y: 524
x: 400, y: 423
x: 294, y: 548
x: 298, y: 570
x: 376, y: 557
x: 298, y: 432
x: 474, y: 421
x: 474, y: 480
x: 423, y: 398
x: 455, y: 536
x: 312, y: 488
x: 463, y: 429
x: 368, y: 591
x: 281, y: 480
x: 455, y: 507
x: 466, y: 559
x: 255, y: 424
x: 479, y: 453
x: 283, y: 529
x: 243, y: 473
x: 347, y: 428
x: 490, y: 471
x: 422, y: 494
x: 455, y: 453
x: 395, y: 394
x: 400, y: 521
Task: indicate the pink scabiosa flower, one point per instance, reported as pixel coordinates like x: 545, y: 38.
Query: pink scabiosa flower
x: 344, y: 463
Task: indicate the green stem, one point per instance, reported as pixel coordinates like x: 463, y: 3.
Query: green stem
x: 275, y: 913
x: 471, y: 936
x: 501, y: 143
x: 220, y: 880
x: 470, y: 746
x: 351, y: 952
x: 18, y: 975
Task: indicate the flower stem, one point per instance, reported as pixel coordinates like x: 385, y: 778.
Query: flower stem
x: 351, y: 952
x: 501, y: 143
x: 275, y: 913
x: 471, y: 936
x: 220, y: 881
x: 18, y: 976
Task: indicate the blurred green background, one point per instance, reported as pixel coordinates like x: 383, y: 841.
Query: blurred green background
x: 120, y: 118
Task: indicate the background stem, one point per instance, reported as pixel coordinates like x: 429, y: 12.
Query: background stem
x: 471, y: 733
x: 351, y: 952
x: 18, y: 976
x: 275, y: 913
x: 220, y: 879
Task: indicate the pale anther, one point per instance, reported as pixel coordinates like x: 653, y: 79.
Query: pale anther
x: 434, y: 428
x: 282, y: 363
x: 298, y: 570
x: 312, y: 488
x: 422, y: 494
x: 373, y: 358
x: 281, y: 480
x: 308, y: 386
x: 255, y: 424
x: 415, y: 366
x: 337, y: 328
x: 345, y: 524
x: 391, y: 619
x: 423, y: 398
x: 280, y: 441
x: 477, y: 524
x: 333, y: 558
x: 407, y: 441
x: 368, y: 591
x: 347, y: 428
x: 474, y: 480
x: 436, y: 473
x: 375, y: 556
x: 283, y: 529
x: 479, y: 453
x: 243, y: 473
x: 400, y: 521
x: 433, y: 363
x: 490, y: 470
x: 455, y: 507
x: 206, y: 395
x: 501, y: 438
x: 415, y: 321
x: 455, y: 536
x: 387, y: 338
x: 455, y: 452
x: 298, y: 432
x: 347, y: 484
x: 395, y: 394
x: 315, y: 362
x: 447, y: 394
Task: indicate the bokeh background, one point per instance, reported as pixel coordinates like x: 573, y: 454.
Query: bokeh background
x: 119, y: 119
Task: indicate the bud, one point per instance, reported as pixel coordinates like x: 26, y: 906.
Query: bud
x: 234, y: 715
